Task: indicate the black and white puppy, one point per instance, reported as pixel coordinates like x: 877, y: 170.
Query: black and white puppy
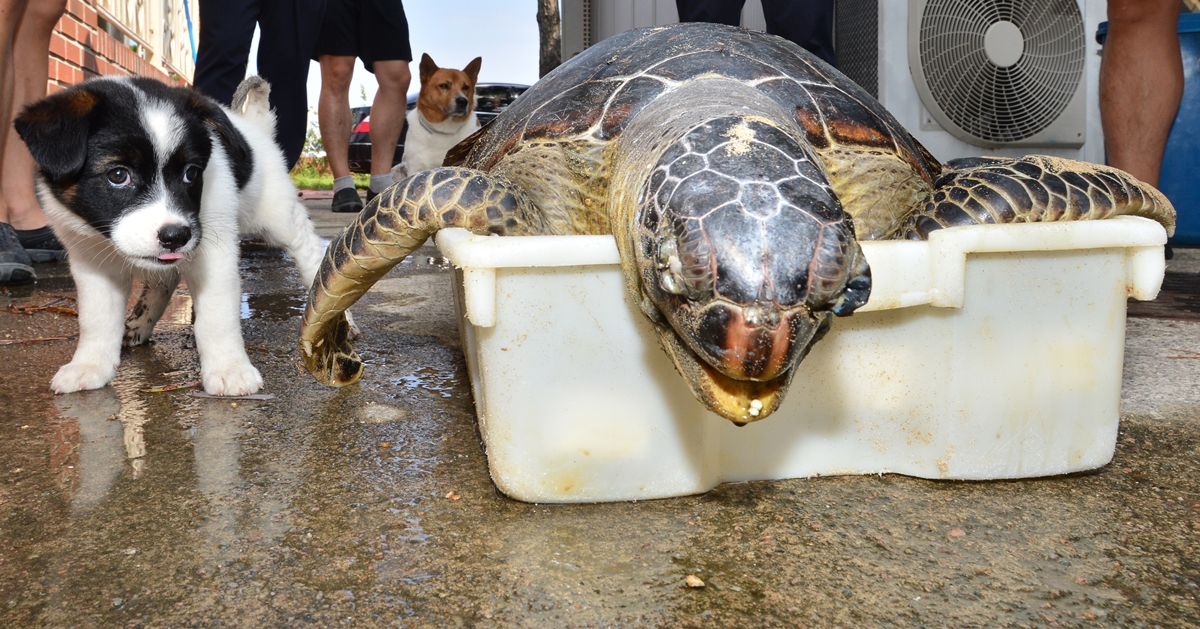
x: 139, y: 179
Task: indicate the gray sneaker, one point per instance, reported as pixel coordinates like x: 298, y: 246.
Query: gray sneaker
x: 15, y: 265
x: 346, y: 200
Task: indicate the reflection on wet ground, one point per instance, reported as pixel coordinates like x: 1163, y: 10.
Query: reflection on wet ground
x: 372, y: 505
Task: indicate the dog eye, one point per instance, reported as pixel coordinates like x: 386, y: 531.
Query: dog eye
x: 118, y: 176
x: 445, y: 86
x: 191, y: 173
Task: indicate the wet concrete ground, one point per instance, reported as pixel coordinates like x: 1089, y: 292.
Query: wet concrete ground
x: 371, y: 506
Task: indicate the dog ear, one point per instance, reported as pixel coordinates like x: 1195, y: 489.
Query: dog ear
x: 56, y: 130
x: 428, y: 67
x: 472, y: 69
x: 232, y: 140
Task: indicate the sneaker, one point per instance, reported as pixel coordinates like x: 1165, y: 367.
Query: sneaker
x: 371, y: 194
x: 15, y: 265
x: 346, y: 200
x: 41, y: 244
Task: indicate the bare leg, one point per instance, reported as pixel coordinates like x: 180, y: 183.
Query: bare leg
x: 387, y: 112
x: 10, y: 16
x: 1141, y: 84
x: 333, y: 111
x: 30, y: 62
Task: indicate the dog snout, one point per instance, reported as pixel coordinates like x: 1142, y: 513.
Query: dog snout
x: 460, y: 103
x: 172, y: 237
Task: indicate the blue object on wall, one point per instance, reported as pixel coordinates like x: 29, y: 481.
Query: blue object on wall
x: 187, y: 12
x: 1180, y: 175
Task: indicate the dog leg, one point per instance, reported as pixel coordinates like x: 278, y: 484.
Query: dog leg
x: 299, y: 239
x: 156, y: 294
x: 102, y: 298
x: 216, y: 289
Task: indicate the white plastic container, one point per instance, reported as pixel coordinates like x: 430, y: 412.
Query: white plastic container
x: 987, y: 352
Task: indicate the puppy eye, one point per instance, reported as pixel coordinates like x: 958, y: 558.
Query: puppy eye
x: 445, y: 86
x: 118, y: 176
x: 191, y: 173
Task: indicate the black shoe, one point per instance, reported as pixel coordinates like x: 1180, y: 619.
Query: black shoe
x: 346, y: 200
x: 41, y: 244
x: 371, y: 194
x: 15, y: 265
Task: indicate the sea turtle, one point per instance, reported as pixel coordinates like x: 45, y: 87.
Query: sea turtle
x: 734, y: 170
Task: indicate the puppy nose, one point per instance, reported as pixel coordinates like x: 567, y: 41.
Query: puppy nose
x: 461, y: 102
x: 173, y: 237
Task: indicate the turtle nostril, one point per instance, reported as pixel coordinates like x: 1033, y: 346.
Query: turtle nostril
x: 172, y: 237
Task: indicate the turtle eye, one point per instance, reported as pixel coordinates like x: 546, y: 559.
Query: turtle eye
x: 118, y: 176
x: 191, y: 173
x: 685, y: 261
x: 670, y: 269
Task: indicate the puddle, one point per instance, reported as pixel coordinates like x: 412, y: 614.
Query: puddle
x: 429, y: 379
x: 273, y: 305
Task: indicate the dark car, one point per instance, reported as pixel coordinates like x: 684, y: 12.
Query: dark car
x: 490, y: 100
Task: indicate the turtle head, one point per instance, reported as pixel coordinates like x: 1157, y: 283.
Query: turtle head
x: 744, y: 254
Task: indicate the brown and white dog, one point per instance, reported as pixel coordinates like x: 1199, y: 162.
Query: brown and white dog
x: 444, y: 116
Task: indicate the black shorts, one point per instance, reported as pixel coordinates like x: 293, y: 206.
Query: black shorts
x: 372, y: 30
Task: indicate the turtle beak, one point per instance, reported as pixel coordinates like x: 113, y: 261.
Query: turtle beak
x: 758, y: 342
x: 722, y: 385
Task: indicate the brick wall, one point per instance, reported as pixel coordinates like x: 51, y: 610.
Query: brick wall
x: 79, y: 50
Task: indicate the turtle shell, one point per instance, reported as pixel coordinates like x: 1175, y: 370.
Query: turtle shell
x: 590, y: 100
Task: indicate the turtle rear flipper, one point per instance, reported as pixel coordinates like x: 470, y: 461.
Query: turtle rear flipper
x: 391, y: 227
x: 1034, y: 189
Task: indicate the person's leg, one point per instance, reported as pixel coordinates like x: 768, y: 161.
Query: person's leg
x: 333, y: 117
x: 30, y: 64
x: 1141, y: 84
x: 719, y: 11
x: 383, y: 37
x: 288, y: 34
x: 333, y: 111
x: 809, y: 24
x: 387, y: 113
x: 337, y: 47
x: 15, y: 265
x: 10, y: 16
x: 226, y: 32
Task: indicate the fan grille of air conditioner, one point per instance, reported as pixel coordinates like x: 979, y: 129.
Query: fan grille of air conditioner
x: 994, y: 103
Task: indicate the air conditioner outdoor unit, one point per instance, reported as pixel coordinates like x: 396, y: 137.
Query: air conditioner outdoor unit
x: 981, y: 77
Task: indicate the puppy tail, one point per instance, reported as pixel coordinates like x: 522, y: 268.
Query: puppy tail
x: 251, y: 100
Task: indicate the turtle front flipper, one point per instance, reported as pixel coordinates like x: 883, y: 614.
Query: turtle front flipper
x: 392, y: 225
x: 1034, y: 189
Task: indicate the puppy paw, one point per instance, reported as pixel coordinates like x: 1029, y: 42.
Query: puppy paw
x: 137, y: 332
x: 241, y: 379
x: 354, y: 332
x: 76, y: 376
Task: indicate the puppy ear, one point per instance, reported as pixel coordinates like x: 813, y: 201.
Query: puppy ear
x: 232, y: 140
x: 472, y: 69
x: 56, y: 130
x: 428, y: 67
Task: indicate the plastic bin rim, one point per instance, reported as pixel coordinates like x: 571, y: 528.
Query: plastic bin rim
x: 467, y: 250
